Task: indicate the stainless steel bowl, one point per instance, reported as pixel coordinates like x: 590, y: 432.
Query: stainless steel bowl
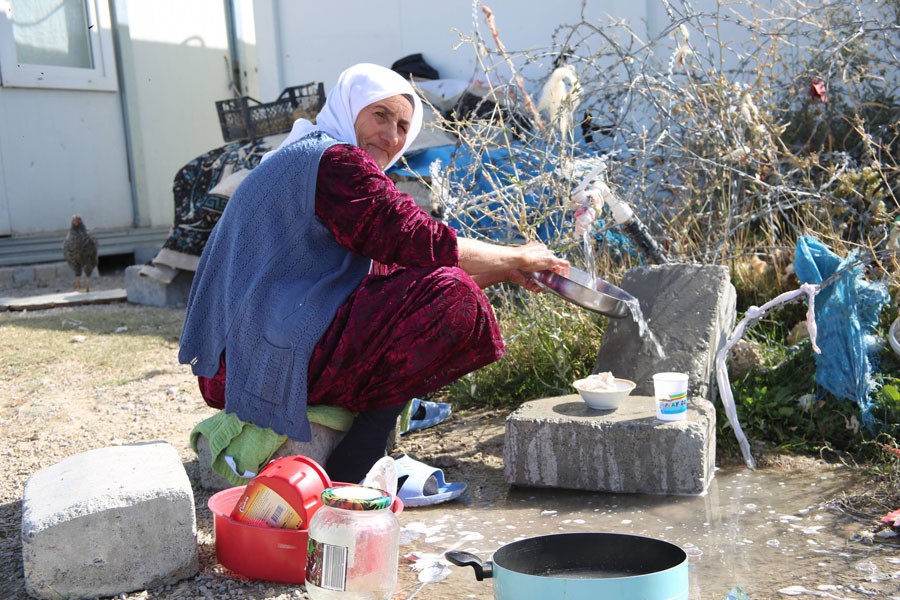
x: 602, y: 297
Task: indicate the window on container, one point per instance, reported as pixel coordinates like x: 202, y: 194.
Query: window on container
x: 52, y: 32
x: 57, y: 44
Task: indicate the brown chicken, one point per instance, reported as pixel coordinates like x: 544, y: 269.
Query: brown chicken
x: 80, y: 250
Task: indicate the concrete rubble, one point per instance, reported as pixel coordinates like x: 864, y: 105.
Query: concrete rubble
x: 148, y: 291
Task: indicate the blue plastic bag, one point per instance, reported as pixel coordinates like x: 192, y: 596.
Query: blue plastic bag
x: 847, y: 310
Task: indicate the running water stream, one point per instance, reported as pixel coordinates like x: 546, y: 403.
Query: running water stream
x: 643, y: 328
x: 590, y: 264
x: 634, y: 306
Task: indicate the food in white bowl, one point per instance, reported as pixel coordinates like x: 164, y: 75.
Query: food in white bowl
x: 602, y: 391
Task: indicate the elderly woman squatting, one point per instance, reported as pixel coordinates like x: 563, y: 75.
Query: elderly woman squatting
x: 324, y: 284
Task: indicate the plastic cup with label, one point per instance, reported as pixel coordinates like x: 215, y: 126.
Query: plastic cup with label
x: 671, y: 390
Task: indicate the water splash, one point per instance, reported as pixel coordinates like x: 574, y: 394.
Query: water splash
x: 643, y: 328
x: 633, y: 305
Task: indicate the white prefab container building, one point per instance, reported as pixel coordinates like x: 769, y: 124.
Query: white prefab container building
x: 103, y: 101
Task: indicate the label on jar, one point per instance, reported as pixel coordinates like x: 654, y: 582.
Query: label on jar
x: 259, y: 505
x: 326, y: 565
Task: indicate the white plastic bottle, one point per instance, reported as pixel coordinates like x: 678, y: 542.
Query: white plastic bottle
x: 635, y: 229
x: 592, y: 194
x: 354, y: 546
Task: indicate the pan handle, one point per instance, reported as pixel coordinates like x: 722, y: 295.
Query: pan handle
x: 467, y: 559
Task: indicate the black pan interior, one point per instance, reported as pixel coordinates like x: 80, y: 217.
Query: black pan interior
x: 586, y: 552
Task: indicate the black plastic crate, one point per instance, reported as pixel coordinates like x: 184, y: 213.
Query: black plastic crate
x: 246, y: 118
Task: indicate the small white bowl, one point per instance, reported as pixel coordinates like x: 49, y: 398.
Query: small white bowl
x: 605, y: 400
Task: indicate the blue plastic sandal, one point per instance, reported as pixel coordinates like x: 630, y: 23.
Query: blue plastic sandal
x: 424, y: 413
x: 422, y: 485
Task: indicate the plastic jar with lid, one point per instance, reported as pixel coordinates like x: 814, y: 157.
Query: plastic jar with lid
x: 354, y: 546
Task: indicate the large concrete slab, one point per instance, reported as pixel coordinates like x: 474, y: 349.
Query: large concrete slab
x: 561, y: 443
x: 107, y: 522
x: 690, y: 308
x: 62, y: 299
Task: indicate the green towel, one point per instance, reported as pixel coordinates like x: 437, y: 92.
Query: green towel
x: 251, y: 446
x: 334, y: 417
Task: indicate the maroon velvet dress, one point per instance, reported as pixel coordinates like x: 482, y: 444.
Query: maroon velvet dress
x: 416, y: 323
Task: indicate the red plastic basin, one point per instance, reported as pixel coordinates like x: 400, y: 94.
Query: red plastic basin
x: 266, y: 553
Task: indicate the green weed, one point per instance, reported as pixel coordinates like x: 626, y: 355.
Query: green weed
x: 549, y: 345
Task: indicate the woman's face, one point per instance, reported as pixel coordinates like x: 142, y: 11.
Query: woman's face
x: 381, y: 128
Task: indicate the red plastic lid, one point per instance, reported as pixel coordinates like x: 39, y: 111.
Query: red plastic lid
x: 295, y: 467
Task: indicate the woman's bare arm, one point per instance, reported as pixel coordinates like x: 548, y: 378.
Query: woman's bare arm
x: 492, y: 263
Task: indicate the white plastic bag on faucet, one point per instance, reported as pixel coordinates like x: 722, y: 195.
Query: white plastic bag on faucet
x: 584, y: 220
x: 588, y: 199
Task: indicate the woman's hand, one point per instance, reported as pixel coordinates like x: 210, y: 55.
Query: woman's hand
x: 535, y: 256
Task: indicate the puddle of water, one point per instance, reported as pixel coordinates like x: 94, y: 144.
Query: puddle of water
x: 765, y: 531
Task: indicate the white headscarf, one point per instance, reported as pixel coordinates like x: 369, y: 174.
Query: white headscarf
x: 356, y: 88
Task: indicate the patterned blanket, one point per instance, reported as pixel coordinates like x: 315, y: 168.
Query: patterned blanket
x: 201, y: 190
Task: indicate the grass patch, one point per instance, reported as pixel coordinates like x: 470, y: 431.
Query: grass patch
x: 110, y: 344
x: 549, y: 345
x: 782, y: 406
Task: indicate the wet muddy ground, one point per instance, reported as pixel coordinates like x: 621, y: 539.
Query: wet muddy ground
x: 773, y: 531
x: 770, y: 531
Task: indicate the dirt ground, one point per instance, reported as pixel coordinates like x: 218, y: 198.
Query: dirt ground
x: 60, y: 397
x: 96, y: 376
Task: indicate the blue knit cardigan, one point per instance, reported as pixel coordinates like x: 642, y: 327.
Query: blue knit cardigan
x: 268, y: 284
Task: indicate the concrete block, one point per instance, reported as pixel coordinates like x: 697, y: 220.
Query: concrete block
x: 152, y: 292
x: 64, y: 271
x: 23, y: 276
x: 108, y: 522
x: 561, y: 443
x: 48, y: 272
x: 690, y: 308
x: 323, y: 442
x: 45, y: 273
